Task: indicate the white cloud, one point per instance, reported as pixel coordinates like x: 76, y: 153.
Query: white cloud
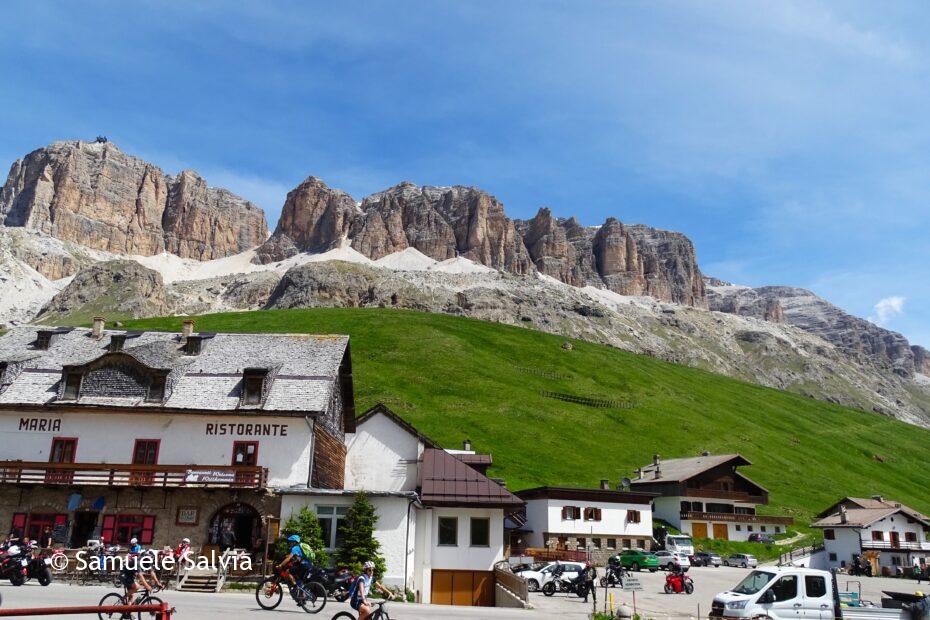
x: 887, y: 308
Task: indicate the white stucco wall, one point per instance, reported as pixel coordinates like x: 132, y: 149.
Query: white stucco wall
x: 545, y: 515
x: 381, y: 456
x: 185, y: 439
x: 668, y: 509
x: 735, y: 531
x: 851, y: 541
x: 390, y: 531
x: 463, y: 556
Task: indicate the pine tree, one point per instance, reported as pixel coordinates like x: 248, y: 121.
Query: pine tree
x: 306, y: 525
x: 359, y: 544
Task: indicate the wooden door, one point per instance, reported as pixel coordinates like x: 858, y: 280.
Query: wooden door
x: 699, y: 530
x: 441, y: 587
x: 63, y: 451
x: 895, y: 540
x: 720, y: 531
x: 462, y: 587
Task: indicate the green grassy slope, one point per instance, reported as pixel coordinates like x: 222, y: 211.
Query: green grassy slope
x: 456, y: 378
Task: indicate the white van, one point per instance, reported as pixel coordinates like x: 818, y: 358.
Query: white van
x: 679, y: 543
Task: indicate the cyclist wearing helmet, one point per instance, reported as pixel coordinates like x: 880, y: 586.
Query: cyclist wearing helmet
x: 297, y: 557
x: 127, y: 574
x: 362, y: 587
x: 148, y: 564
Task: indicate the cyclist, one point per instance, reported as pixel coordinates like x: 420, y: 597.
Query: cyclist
x: 130, y: 569
x: 300, y: 556
x: 362, y: 587
x: 148, y: 564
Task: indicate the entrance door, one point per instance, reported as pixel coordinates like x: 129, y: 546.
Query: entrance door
x: 721, y: 531
x: 85, y: 522
x: 699, y: 530
x: 895, y: 540
x: 63, y: 451
x: 235, y: 526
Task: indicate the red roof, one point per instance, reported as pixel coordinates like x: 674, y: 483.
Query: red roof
x: 475, y: 459
x: 447, y: 481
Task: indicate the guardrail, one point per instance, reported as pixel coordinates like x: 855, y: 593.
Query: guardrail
x: 795, y: 554
x: 162, y: 611
x: 107, y: 474
x: 515, y: 583
x: 892, y: 546
x: 736, y: 518
x: 551, y: 555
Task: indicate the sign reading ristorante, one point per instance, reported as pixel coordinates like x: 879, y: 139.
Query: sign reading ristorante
x: 254, y: 430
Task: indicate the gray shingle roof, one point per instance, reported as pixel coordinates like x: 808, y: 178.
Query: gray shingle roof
x: 303, y: 369
x: 679, y: 470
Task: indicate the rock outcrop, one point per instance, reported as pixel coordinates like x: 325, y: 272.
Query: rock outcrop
x: 799, y: 307
x: 117, y: 288
x: 94, y: 194
x: 315, y: 218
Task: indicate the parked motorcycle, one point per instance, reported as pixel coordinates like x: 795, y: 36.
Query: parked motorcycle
x: 614, y: 576
x: 559, y: 583
x: 677, y: 582
x: 337, y: 581
x: 38, y: 567
x: 13, y: 565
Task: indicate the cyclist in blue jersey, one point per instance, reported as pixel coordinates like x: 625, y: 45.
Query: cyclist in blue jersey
x: 297, y: 558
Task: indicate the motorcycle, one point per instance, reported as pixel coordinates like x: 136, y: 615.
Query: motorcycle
x: 614, y: 576
x: 13, y: 565
x: 336, y: 581
x: 38, y: 566
x: 677, y: 582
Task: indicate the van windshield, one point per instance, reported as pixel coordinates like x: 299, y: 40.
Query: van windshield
x: 755, y: 581
x: 680, y: 541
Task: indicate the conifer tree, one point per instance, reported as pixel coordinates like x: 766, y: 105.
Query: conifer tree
x: 358, y: 538
x: 306, y: 525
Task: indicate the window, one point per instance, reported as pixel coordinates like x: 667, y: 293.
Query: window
x: 596, y: 543
x: 611, y: 543
x: 833, y: 557
x: 245, y: 454
x: 829, y: 535
x: 448, y: 531
x: 122, y: 527
x: 72, y: 386
x: 192, y: 345
x: 117, y: 341
x: 778, y: 529
x: 156, y: 392
x: 786, y: 588
x: 876, y: 535
x: 330, y: 518
x: 627, y: 543
x: 253, y: 385
x: 739, y: 528
x: 641, y: 543
x: 145, y: 452
x: 762, y: 528
x: 582, y: 543
x: 34, y: 524
x: 686, y: 506
x: 63, y: 451
x: 910, y: 536
x: 816, y: 587
x: 43, y: 340
x: 592, y: 514
x: 895, y: 560
x: 748, y: 528
x: 633, y: 516
x: 571, y: 513
x: 480, y: 532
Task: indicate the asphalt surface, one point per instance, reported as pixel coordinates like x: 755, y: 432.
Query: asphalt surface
x: 651, y: 602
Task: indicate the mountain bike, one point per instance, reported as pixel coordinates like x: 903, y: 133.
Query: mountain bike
x: 310, y: 596
x: 379, y: 613
x: 144, y: 597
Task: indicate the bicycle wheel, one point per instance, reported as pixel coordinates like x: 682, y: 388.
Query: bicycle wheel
x: 314, y: 597
x: 343, y: 614
x: 149, y: 600
x: 108, y: 600
x: 269, y: 593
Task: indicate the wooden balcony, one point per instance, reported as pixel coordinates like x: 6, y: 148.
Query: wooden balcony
x: 737, y: 496
x: 886, y: 545
x: 732, y: 517
x: 127, y: 475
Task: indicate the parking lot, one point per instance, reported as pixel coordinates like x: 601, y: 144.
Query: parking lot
x: 653, y: 602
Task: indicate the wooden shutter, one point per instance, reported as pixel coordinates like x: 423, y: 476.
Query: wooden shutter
x: 577, y: 512
x: 564, y: 512
x: 106, y: 529
x: 597, y: 514
x: 148, y: 530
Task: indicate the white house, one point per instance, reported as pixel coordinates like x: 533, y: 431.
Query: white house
x: 853, y: 527
x: 440, y: 520
x: 596, y: 521
x: 113, y: 434
x: 707, y: 497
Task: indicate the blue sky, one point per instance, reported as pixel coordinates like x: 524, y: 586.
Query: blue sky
x: 789, y: 140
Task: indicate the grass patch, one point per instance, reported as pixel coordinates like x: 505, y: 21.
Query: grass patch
x: 457, y: 378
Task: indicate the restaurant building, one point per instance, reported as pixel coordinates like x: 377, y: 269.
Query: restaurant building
x: 113, y: 434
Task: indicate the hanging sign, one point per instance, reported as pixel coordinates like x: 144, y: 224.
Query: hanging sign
x: 199, y: 476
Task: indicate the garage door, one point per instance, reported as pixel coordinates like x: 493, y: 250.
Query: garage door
x: 699, y: 530
x: 721, y: 532
x: 462, y: 587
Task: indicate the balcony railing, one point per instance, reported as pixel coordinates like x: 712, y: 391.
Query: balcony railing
x: 887, y: 545
x: 735, y: 518
x: 737, y: 496
x: 110, y: 474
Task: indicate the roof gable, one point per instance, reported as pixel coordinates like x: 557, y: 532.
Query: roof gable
x: 382, y: 409
x: 447, y: 481
x: 680, y: 470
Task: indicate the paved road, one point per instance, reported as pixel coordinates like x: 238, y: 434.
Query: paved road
x: 652, y: 602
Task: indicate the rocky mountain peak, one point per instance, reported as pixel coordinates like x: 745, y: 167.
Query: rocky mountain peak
x: 94, y: 194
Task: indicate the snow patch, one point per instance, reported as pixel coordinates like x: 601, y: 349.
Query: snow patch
x: 410, y: 259
x: 460, y: 264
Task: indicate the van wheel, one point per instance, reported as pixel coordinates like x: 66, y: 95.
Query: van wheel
x: 743, y: 565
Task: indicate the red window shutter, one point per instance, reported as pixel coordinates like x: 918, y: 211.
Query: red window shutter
x: 597, y: 514
x: 148, y: 531
x: 106, y: 529
x: 577, y: 512
x: 19, y: 521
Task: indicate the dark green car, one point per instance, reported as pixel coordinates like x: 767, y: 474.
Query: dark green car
x: 637, y: 559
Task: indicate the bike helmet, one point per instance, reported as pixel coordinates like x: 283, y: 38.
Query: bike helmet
x: 133, y: 541
x: 294, y: 538
x: 368, y: 565
x: 186, y: 541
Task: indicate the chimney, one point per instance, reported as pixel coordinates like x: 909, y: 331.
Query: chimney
x: 97, y: 331
x: 639, y: 473
x: 705, y: 453
x: 466, y: 445
x: 656, y: 462
x: 878, y: 498
x: 605, y: 485
x: 187, y: 327
x: 843, y: 514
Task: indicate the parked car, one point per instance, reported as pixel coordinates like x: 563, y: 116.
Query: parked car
x: 637, y: 559
x: 706, y: 558
x: 668, y: 560
x: 536, y: 579
x: 765, y: 539
x: 743, y: 560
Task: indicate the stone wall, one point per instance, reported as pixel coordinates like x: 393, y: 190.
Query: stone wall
x: 600, y: 553
x: 163, y: 504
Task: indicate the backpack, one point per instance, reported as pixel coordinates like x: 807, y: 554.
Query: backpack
x: 355, y: 595
x: 307, y: 550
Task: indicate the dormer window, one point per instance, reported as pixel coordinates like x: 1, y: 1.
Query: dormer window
x: 43, y: 339
x: 156, y: 392
x: 192, y: 345
x: 117, y: 342
x: 72, y: 386
x: 253, y: 385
